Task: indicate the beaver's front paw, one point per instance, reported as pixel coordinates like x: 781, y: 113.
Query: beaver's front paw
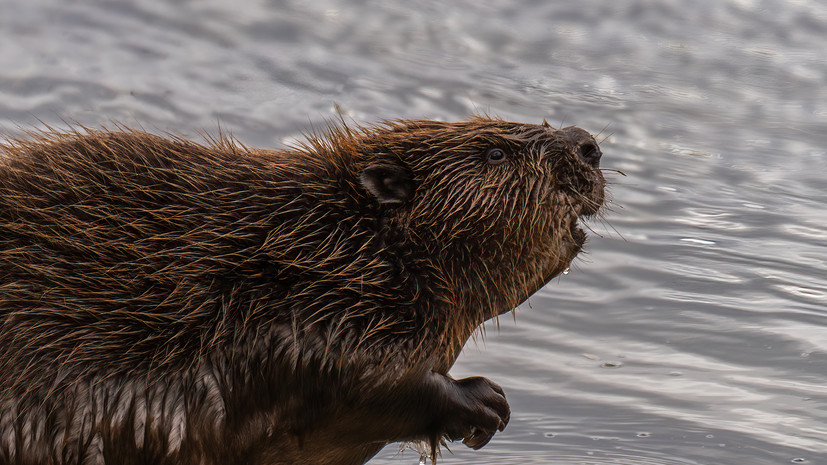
x: 476, y: 410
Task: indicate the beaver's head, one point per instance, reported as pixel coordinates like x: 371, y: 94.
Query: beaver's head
x: 494, y: 203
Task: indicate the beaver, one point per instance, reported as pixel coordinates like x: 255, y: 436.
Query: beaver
x: 164, y: 301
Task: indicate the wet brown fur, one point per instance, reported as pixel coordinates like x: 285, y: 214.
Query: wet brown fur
x: 163, y: 301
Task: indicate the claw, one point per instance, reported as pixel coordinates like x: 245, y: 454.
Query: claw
x: 478, y: 439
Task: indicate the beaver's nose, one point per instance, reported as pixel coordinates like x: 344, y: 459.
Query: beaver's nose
x: 584, y: 145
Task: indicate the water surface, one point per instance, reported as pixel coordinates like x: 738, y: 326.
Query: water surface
x: 693, y: 332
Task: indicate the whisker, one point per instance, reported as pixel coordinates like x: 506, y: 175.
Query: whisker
x: 587, y: 226
x: 612, y: 170
x: 601, y: 132
x: 605, y: 138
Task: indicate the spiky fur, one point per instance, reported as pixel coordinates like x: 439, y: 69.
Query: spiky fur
x: 163, y: 301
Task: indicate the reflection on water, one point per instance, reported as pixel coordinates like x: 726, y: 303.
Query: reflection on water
x: 693, y: 331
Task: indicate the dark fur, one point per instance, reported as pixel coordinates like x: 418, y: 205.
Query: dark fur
x: 167, y: 302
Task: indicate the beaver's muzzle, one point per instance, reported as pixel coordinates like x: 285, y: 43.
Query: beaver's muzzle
x: 583, y: 145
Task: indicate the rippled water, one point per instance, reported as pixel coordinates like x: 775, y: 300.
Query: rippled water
x: 693, y: 332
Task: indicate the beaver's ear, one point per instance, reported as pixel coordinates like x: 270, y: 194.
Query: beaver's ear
x: 390, y: 183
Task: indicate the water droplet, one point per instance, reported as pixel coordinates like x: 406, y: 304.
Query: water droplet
x: 422, y: 459
x: 798, y: 460
x: 567, y: 271
x: 643, y: 435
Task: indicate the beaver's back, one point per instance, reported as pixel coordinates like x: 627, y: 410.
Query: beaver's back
x: 123, y: 226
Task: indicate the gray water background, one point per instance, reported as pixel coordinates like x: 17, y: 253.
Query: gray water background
x: 694, y: 331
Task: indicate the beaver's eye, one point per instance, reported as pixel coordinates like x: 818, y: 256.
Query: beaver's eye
x: 495, y: 156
